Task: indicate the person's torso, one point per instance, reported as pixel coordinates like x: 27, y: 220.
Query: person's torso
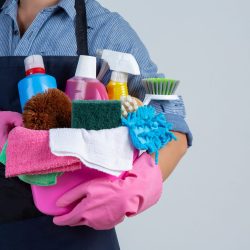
x: 52, y: 33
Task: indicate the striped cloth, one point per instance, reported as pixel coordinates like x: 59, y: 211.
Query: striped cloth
x: 53, y: 33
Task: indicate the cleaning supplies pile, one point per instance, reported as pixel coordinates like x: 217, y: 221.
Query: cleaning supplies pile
x: 90, y: 131
x: 52, y: 109
x: 44, y: 107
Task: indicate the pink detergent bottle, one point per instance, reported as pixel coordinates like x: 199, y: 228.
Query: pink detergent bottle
x: 84, y: 85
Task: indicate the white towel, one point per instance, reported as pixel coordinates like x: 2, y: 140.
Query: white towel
x: 108, y: 150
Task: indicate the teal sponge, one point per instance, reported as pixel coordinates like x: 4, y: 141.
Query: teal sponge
x: 96, y: 115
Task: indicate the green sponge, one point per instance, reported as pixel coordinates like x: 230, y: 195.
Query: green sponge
x: 96, y: 115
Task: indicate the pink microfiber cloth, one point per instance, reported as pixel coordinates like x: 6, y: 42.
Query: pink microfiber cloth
x: 28, y: 153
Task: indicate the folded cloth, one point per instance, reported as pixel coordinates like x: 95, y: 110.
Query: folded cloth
x: 107, y: 150
x: 3, y: 154
x: 40, y: 180
x: 28, y: 153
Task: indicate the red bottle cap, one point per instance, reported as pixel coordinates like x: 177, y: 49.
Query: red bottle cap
x: 35, y: 71
x: 34, y: 65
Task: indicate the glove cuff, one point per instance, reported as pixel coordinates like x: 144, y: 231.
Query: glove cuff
x: 147, y: 185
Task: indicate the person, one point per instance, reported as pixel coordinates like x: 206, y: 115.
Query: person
x: 60, y: 31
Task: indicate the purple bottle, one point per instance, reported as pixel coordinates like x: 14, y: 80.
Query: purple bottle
x: 84, y: 85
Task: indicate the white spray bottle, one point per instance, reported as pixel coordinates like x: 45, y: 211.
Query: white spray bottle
x: 122, y: 64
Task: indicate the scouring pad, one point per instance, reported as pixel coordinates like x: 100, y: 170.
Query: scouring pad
x: 96, y: 115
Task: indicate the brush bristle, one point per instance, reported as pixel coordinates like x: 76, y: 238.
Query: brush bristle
x: 48, y: 110
x: 160, y: 86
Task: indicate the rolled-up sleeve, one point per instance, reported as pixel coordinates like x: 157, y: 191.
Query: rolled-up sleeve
x: 123, y: 38
x: 173, y: 110
x: 175, y: 114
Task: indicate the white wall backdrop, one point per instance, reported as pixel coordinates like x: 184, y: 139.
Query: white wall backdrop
x: 206, y: 201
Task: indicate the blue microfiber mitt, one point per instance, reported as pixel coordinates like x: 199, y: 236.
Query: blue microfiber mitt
x: 148, y: 131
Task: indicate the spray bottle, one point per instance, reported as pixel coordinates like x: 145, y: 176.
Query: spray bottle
x: 36, y: 80
x: 84, y: 85
x: 121, y: 64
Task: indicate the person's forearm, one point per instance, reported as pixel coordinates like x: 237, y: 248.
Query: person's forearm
x: 171, y: 154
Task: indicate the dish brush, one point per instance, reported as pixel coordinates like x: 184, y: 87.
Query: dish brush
x: 160, y: 89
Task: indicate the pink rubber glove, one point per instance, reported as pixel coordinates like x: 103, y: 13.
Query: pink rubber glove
x: 8, y: 121
x: 102, y: 204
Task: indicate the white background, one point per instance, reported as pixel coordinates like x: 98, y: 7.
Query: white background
x: 206, y: 201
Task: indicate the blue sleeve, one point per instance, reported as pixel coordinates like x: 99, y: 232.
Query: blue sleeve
x: 123, y: 38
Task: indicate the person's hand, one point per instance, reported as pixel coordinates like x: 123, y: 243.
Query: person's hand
x: 102, y: 204
x: 8, y: 121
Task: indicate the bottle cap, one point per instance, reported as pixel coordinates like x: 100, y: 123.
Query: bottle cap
x: 119, y: 77
x: 86, y: 67
x: 34, y: 64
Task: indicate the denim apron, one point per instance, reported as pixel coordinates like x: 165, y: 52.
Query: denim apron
x: 22, y: 227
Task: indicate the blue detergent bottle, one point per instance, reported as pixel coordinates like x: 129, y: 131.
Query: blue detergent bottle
x: 36, y: 80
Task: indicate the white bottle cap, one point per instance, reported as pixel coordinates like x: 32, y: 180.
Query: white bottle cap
x: 34, y: 61
x: 86, y: 67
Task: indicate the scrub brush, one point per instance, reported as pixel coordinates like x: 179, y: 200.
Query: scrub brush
x: 130, y: 104
x: 48, y: 110
x: 44, y: 111
x: 159, y: 89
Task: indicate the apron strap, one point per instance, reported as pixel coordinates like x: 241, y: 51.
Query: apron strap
x: 81, y: 26
x: 2, y: 3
